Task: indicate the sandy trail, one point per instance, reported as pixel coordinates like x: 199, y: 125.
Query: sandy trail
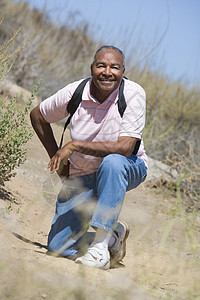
x: 163, y: 254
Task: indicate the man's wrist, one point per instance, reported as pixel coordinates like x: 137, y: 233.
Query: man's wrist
x: 74, y: 146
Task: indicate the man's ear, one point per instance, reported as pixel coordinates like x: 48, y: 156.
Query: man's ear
x: 124, y: 70
x: 91, y: 69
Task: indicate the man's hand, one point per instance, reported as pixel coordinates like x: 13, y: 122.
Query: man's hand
x: 61, y: 157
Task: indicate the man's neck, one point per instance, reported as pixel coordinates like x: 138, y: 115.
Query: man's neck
x: 100, y: 96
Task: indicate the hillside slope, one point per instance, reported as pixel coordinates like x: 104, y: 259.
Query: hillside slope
x: 162, y: 260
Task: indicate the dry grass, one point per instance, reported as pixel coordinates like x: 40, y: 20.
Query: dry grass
x: 172, y: 114
x: 188, y: 183
x: 56, y: 54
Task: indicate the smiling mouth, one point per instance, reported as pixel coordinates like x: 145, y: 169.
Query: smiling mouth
x: 106, y: 80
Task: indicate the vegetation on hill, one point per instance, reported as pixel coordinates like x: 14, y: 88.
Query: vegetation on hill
x: 60, y: 54
x: 15, y: 130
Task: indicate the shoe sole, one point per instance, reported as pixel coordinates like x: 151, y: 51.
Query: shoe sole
x: 127, y: 231
x: 125, y: 237
x: 104, y: 267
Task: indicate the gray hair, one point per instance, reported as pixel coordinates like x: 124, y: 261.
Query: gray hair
x: 113, y: 48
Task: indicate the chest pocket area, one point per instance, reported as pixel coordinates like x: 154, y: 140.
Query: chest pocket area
x: 84, y: 113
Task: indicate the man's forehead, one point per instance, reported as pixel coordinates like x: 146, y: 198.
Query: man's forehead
x: 108, y: 53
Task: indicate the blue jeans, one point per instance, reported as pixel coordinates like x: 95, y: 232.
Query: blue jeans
x: 93, y: 200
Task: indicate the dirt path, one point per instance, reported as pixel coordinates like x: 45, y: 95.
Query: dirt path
x: 163, y: 254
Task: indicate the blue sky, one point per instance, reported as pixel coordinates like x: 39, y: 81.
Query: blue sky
x: 168, y: 31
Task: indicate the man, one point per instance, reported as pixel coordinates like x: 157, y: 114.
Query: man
x: 99, y: 159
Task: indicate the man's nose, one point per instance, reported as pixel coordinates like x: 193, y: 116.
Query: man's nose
x: 107, y: 71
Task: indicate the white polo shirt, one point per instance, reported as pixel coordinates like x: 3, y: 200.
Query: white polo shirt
x: 98, y: 122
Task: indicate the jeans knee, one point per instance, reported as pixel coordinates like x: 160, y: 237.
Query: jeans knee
x: 114, y: 163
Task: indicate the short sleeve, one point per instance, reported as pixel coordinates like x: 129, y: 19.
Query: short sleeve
x: 133, y: 120
x: 54, y: 108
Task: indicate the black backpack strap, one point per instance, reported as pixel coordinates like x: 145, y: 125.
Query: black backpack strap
x: 66, y: 124
x: 136, y: 148
x: 77, y: 97
x: 73, y: 105
x: 121, y: 102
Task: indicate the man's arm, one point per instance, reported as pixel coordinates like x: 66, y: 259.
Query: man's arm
x: 124, y: 146
x: 44, y: 131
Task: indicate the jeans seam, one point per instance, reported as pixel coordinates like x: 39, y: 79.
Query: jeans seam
x: 145, y: 172
x: 98, y: 225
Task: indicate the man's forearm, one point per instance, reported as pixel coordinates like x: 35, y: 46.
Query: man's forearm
x: 123, y: 146
x: 44, y: 132
x: 47, y: 139
x: 99, y: 149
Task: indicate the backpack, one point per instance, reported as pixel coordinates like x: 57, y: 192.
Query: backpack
x: 77, y: 98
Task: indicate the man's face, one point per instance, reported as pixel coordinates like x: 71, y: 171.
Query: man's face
x: 107, y: 73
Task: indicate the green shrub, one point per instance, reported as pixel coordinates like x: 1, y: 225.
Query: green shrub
x: 14, y: 133
x: 14, y: 128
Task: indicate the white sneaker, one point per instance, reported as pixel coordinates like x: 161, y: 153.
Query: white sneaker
x: 120, y: 233
x: 96, y: 258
